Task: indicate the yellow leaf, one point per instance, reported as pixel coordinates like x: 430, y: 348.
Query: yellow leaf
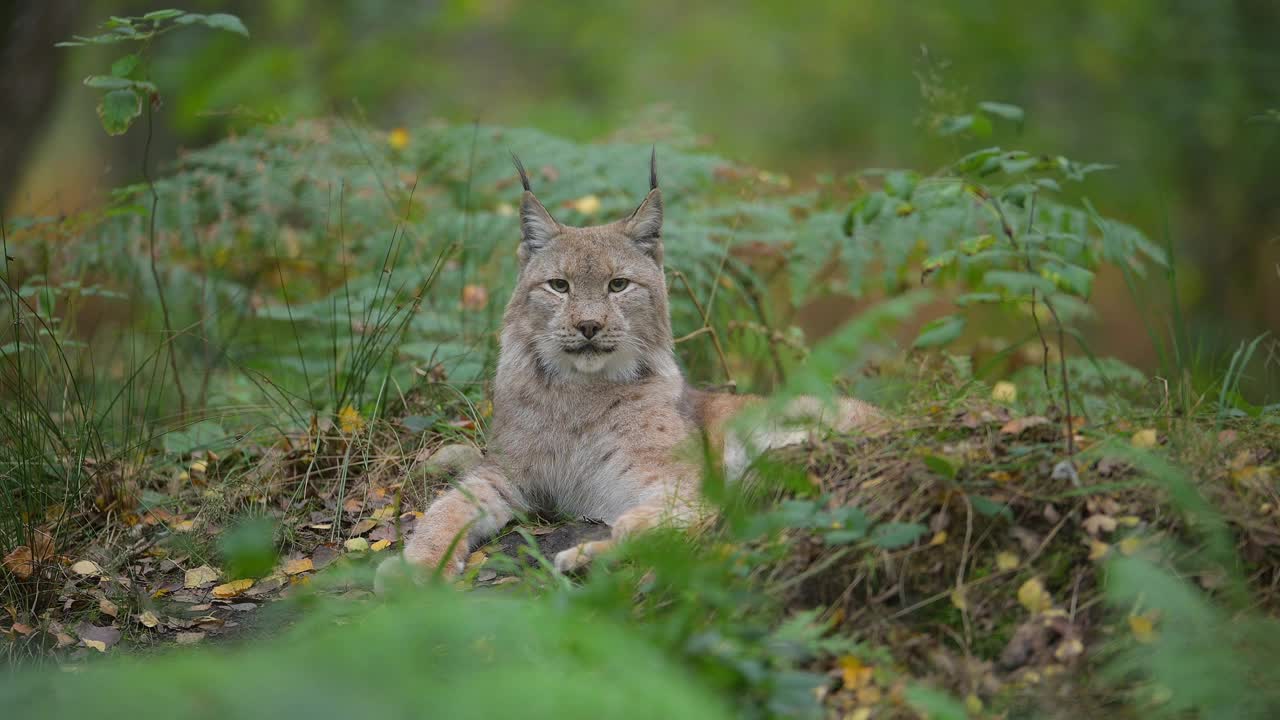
x: 474, y: 297
x: 1005, y: 392
x: 380, y: 545
x: 1098, y: 549
x: 958, y: 599
x: 1034, y: 597
x: 587, y: 204
x: 87, y: 568
x: 199, y: 466
x: 1144, y: 439
x: 301, y: 565
x: 1130, y: 545
x: 184, y: 526
x: 860, y: 714
x: 349, y: 420
x: 1006, y: 561
x: 973, y: 704
x: 200, y: 576
x: 1068, y: 649
x: 398, y: 138
x: 96, y: 645
x: 854, y: 672
x: 1000, y: 476
x: 148, y: 619
x: 939, y: 538
x: 1143, y: 628
x: 476, y: 559
x: 233, y: 588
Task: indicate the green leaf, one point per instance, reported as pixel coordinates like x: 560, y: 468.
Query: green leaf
x: 124, y: 66
x: 934, y: 704
x: 941, y: 465
x: 158, y: 15
x: 968, y: 299
x: 991, y: 508
x: 1004, y: 110
x: 108, y: 82
x: 216, y: 21
x: 118, y: 110
x: 1017, y: 283
x: 248, y: 550
x: 200, y: 436
x: 891, y: 536
x: 901, y: 183
x: 976, y: 125
x: 940, y: 331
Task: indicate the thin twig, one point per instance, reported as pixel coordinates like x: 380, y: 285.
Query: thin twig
x: 706, y: 327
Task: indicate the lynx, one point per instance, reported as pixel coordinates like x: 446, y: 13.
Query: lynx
x: 590, y: 406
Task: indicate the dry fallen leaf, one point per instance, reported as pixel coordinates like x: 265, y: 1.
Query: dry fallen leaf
x: 106, y: 607
x: 96, y: 637
x: 233, y: 588
x: 1005, y: 392
x: 380, y: 545
x: 363, y: 527
x: 189, y: 638
x: 1098, y: 549
x: 1145, y: 439
x: 474, y: 297
x: 1034, y: 597
x: 853, y: 672
x: 398, y: 138
x: 296, y: 567
x: 476, y: 559
x: 86, y: 568
x: 199, y: 577
x: 148, y: 619
x: 1099, y: 524
x: 1143, y: 628
x: 1006, y: 560
x: 958, y: 599
x: 938, y: 538
x: 1130, y: 545
x: 1017, y: 426
x: 587, y: 204
x: 21, y: 560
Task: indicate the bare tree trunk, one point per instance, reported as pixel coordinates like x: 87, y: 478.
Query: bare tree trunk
x: 30, y: 70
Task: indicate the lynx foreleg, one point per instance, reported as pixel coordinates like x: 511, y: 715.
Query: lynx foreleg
x: 472, y: 511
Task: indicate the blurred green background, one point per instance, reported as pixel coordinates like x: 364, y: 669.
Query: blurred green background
x: 1173, y: 93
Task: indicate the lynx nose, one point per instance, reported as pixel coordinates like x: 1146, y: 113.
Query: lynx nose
x: 588, y: 328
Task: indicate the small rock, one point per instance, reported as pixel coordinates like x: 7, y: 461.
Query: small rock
x: 356, y: 544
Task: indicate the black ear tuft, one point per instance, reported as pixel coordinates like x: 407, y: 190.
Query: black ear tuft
x: 524, y: 176
x: 653, y: 167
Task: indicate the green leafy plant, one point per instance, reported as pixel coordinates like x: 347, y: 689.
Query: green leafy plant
x: 127, y: 86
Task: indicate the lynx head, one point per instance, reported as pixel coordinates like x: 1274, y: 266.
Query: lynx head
x: 592, y: 301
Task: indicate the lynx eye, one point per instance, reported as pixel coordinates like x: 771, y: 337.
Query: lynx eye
x: 617, y: 285
x: 559, y: 285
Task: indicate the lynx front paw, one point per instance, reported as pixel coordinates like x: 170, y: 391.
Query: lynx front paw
x: 397, y: 571
x: 580, y: 556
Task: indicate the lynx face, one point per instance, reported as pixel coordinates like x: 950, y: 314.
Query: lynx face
x: 592, y: 302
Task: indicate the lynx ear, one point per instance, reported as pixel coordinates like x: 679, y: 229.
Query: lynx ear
x: 644, y: 227
x: 537, y: 227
